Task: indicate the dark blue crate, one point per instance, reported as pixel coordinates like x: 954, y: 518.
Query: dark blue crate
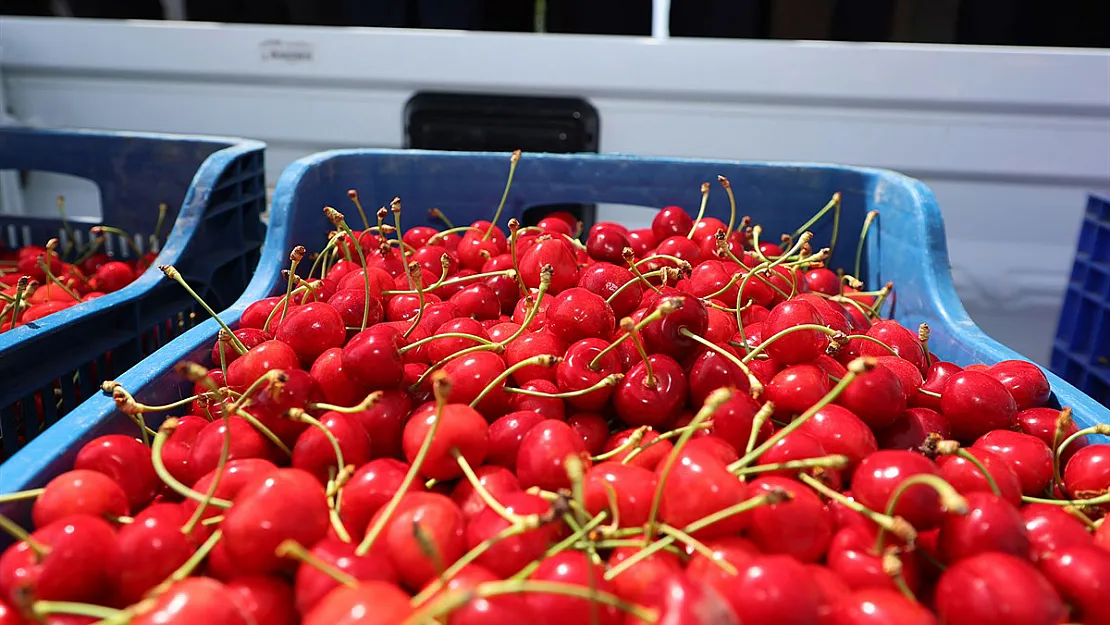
x: 215, y: 191
x: 907, y: 247
x: 1081, y: 352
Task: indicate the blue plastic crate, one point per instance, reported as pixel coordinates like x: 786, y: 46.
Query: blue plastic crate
x: 1081, y: 353
x: 907, y: 246
x: 215, y: 192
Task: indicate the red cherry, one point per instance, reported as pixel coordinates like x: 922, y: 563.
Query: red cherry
x: 313, y: 451
x: 351, y: 305
x: 966, y: 478
x: 127, y: 462
x: 641, y: 240
x: 236, y: 474
x: 902, y: 341
x: 666, y: 335
x: 508, y: 555
x: 1050, y: 529
x: 912, y: 427
x: 1087, y: 474
x: 654, y: 450
x: 879, y: 475
x: 972, y: 591
x: 879, y: 606
x: 679, y: 601
x: 195, y: 600
x: 543, y: 452
x: 801, y: 527
x: 671, y: 221
x: 336, y: 386
x: 176, y: 451
x: 549, y: 407
x: 1027, y: 455
x: 77, y: 568
x: 555, y: 252
x: 773, y: 589
x: 794, y: 389
x: 876, y: 396
x: 249, y: 337
x: 260, y: 359
x: 908, y: 373
x: 1041, y: 423
x: 991, y: 525
x: 593, y: 429
x: 635, y: 583
x: 841, y: 432
x: 639, y: 402
x: 506, y: 434
x: 1024, y: 380
x: 312, y: 329
x: 534, y: 344
x: 79, y: 492
x: 574, y: 373
x: 831, y: 589
x: 269, y: 404
x: 370, y: 488
x: 605, y: 279
x: 440, y: 523
x: 367, y: 603
x: 372, y: 357
x: 698, y: 485
x: 288, y: 504
x: 680, y: 247
x: 733, y: 421
x: 578, y: 313
x: 265, y: 600
x: 706, y: 570
x: 1102, y: 536
x: 852, y: 558
x: 606, y: 244
x: 478, y: 301
x: 246, y: 442
x: 571, y: 567
x: 470, y: 375
x: 626, y: 491
x: 822, y: 280
x: 1082, y: 575
x: 798, y: 346
x: 497, y: 481
x: 113, y: 276
x: 936, y: 377
x: 461, y: 430
x: 505, y: 608
x: 975, y: 403
x: 150, y: 549
x: 384, y: 421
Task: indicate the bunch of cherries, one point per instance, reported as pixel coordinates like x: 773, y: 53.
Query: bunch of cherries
x: 36, y: 281
x: 681, y: 425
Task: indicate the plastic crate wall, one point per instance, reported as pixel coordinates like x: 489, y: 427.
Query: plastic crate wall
x: 1081, y: 353
x: 906, y: 246
x: 215, y: 192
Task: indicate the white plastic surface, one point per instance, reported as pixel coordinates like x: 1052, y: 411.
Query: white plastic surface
x: 1009, y: 139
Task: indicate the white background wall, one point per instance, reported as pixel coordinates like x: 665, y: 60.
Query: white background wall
x: 1009, y: 139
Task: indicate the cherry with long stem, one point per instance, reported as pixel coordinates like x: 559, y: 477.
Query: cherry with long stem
x: 514, y: 232
x: 630, y: 329
x: 893, y: 524
x: 296, y: 551
x: 871, y: 215
x: 539, y: 360
x: 173, y: 274
x: 513, y: 160
x: 701, y: 211
x: 339, y: 221
x: 20, y: 288
x: 951, y: 500
x: 417, y: 283
x: 755, y: 386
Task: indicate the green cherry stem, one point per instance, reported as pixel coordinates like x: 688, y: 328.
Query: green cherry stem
x: 871, y: 215
x: 701, y: 211
x: 952, y: 501
x: 893, y: 524
x: 756, y: 387
x: 513, y: 160
x: 339, y: 221
x: 173, y: 274
x: 540, y: 360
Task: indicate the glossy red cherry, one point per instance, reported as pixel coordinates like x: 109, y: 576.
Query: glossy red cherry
x: 265, y: 600
x: 801, y: 345
x: 351, y: 305
x: 626, y: 491
x: 697, y: 486
x: 822, y: 280
x: 733, y: 421
x: 1024, y: 380
x: 1050, y: 529
x: 575, y: 374
x: 425, y: 531
x: 470, y: 375
x: 912, y: 427
x: 113, y: 276
x: 555, y: 252
x: 545, y: 405
x: 77, y: 568
x: 671, y: 221
x: 478, y: 301
x: 312, y: 329
x: 313, y: 451
x: 679, y: 601
x: 1027, y: 455
x: 879, y: 475
x: 639, y: 400
x: 1087, y: 474
x: 246, y: 442
x: 150, y: 549
x: 794, y: 389
x: 79, y: 492
x: 194, y: 600
x: 653, y: 451
x: 571, y: 567
x: 606, y: 243
x: 371, y: 486
x: 936, y: 377
x: 508, y: 555
x: 578, y: 313
x: 876, y: 396
x: 667, y: 335
x: 373, y: 358
x: 606, y: 279
x: 593, y: 429
x: 974, y: 590
x: 505, y: 435
x: 541, y: 459
x: 879, y: 606
x: 497, y: 481
x: 249, y: 337
x: 965, y: 477
x: 908, y: 373
x: 288, y: 504
x: 532, y: 344
x: 801, y: 527
x: 127, y: 462
x: 975, y: 403
x: 853, y: 559
x: 294, y: 389
x: 384, y: 422
x: 773, y: 589
x: 331, y: 378
x: 367, y: 603
x: 176, y: 451
x: 898, y: 338
x: 260, y: 359
x: 1082, y: 576
x: 991, y: 525
x: 461, y: 430
x: 1041, y: 422
x: 841, y: 432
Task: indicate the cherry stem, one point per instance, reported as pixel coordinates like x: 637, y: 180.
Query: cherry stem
x: 539, y: 360
x: 173, y: 274
x: 855, y: 368
x: 20, y: 288
x: 296, y: 414
x: 442, y: 387
x: 169, y: 480
x: 664, y: 308
x: 636, y: 280
x: 22, y: 495
x: 697, y: 546
x: 832, y: 461
x: 1095, y: 501
x: 757, y: 230
x: 893, y: 524
x: 1063, y: 422
x: 758, y: 419
x: 864, y: 337
x: 119, y: 232
x: 1098, y: 428
x: 514, y: 231
x: 52, y: 279
x: 630, y: 257
x: 445, y: 335
x: 416, y: 282
x: 633, y: 440
x: 221, y: 464
x: 435, y: 213
x: 952, y: 448
x: 950, y: 499
x: 484, y: 494
x: 333, y: 241
x: 834, y: 202
x: 712, y: 403
x: 701, y: 211
x: 562, y: 545
x: 435, y: 585
x: 497, y: 348
x: 649, y: 378
x: 923, y: 338
x: 607, y: 381
x: 513, y: 160
x: 454, y: 281
x: 366, y: 404
x: 545, y: 283
x: 60, y: 203
x: 296, y: 551
x: 264, y: 431
x: 453, y: 230
x: 892, y: 568
x: 871, y: 215
x: 339, y: 221
x: 681, y: 265
x: 666, y: 436
x: 451, y: 601
x: 836, y: 335
x: 353, y: 195
x: 43, y: 609
x: 295, y: 257
x: 756, y: 387
x: 190, y: 565
x: 13, y: 529
x: 731, y: 204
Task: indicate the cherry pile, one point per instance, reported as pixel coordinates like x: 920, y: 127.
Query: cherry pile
x: 681, y: 425
x: 36, y: 281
